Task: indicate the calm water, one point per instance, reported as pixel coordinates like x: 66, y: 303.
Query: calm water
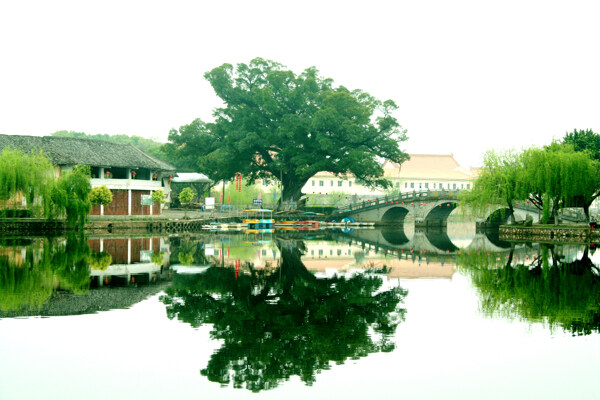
x: 296, y: 315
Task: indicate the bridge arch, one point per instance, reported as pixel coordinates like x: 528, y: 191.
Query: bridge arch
x: 394, y: 215
x: 441, y: 211
x: 499, y: 216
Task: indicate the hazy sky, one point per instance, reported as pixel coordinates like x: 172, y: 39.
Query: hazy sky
x: 467, y: 75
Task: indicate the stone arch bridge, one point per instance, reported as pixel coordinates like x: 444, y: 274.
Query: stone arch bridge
x: 430, y: 209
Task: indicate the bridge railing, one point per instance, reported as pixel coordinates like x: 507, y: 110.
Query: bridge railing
x: 402, y: 198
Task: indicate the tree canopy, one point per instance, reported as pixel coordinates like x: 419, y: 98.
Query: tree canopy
x: 71, y: 196
x: 278, y: 125
x: 551, y: 178
x: 29, y: 175
x: 584, y: 141
x: 276, y: 322
x: 101, y: 195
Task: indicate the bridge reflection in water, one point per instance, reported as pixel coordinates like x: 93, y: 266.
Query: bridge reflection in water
x: 434, y: 246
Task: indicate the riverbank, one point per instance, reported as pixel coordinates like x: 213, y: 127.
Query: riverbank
x: 550, y: 233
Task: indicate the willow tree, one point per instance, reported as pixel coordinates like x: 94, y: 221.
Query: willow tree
x: 29, y: 175
x: 498, y: 182
x: 281, y: 126
x: 557, y: 177
x: 71, y: 196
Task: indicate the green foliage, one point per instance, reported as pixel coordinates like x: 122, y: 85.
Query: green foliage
x: 158, y: 196
x: 29, y: 175
x: 83, y: 169
x: 283, y: 321
x: 584, y: 141
x: 276, y: 124
x: 100, y: 261
x: 158, y: 258
x: 498, y: 182
x: 566, y: 177
x: 100, y: 195
x: 551, y: 178
x: 71, y: 196
x: 186, y: 258
x: 30, y: 274
x: 186, y: 195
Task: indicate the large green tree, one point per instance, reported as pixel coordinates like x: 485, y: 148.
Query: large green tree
x: 283, y: 321
x: 557, y: 177
x: 551, y: 178
x: 29, y: 175
x: 584, y: 141
x: 278, y: 125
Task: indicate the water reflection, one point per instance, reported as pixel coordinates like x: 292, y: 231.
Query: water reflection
x: 281, y: 320
x: 54, y: 276
x: 558, y: 285
x: 31, y: 270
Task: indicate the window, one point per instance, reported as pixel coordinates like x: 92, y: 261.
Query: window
x: 331, y: 183
x: 321, y: 183
x: 320, y: 252
x: 441, y: 186
x: 339, y: 183
x: 468, y: 186
x: 349, y: 183
x: 405, y: 185
x: 412, y: 185
x: 397, y: 184
x: 462, y: 186
x: 339, y: 252
x: 426, y: 185
x: 313, y: 182
x: 454, y: 186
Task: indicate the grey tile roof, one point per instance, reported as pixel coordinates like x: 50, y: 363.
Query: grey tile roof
x: 72, y: 151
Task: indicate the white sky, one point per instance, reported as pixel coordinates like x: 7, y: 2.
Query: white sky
x: 468, y: 75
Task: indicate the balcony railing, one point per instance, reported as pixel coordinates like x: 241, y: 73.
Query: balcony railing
x: 126, y: 184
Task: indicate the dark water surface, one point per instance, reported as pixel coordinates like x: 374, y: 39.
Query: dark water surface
x: 297, y: 315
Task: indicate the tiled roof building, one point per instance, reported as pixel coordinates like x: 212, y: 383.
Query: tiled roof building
x: 127, y: 171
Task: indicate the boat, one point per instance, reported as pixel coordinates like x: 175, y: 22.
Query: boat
x: 259, y: 218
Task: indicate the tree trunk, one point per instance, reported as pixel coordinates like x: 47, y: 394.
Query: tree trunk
x: 291, y: 196
x: 586, y: 211
x: 512, y: 212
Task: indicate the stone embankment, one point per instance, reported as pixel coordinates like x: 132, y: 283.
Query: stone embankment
x: 172, y: 221
x: 574, y: 234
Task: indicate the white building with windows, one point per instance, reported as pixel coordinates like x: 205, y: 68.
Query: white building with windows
x: 420, y: 173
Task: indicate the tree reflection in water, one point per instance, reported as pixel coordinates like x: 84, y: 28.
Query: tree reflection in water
x: 548, y: 288
x: 283, y: 321
x: 31, y: 272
